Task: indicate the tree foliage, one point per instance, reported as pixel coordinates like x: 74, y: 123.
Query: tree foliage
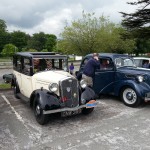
x: 9, y: 50
x: 90, y: 34
x: 4, y: 36
x: 41, y: 41
x: 19, y: 39
x: 26, y: 42
x: 139, y: 21
x: 51, y: 41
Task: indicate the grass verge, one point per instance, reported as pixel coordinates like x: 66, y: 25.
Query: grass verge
x: 5, y: 86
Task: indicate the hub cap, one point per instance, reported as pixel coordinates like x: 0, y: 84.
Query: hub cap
x: 38, y: 110
x: 129, y: 96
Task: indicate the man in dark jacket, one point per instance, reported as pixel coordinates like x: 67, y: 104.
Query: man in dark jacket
x: 89, y: 69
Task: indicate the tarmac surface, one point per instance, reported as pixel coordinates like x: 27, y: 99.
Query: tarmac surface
x: 111, y: 126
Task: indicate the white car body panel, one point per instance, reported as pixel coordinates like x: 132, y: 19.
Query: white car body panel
x: 39, y: 80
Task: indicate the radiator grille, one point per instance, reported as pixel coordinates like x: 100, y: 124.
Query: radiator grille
x: 69, y: 92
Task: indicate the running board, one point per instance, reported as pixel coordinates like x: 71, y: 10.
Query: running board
x: 24, y: 98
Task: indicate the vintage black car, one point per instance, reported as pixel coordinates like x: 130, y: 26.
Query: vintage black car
x: 52, y: 89
x: 119, y: 76
x: 7, y: 78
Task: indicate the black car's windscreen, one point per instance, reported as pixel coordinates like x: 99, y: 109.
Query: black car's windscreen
x: 124, y: 62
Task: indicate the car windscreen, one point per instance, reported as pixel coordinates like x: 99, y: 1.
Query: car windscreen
x: 124, y: 62
x: 50, y: 64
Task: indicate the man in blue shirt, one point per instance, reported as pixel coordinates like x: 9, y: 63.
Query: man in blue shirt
x: 89, y: 69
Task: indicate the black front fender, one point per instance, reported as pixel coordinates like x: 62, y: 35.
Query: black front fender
x: 88, y: 94
x: 46, y: 99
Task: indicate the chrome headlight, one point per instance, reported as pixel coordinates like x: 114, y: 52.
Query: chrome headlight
x: 83, y: 83
x: 140, y: 78
x: 53, y: 87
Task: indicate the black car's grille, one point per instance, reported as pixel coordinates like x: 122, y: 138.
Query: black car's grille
x: 69, y: 92
x: 147, y: 79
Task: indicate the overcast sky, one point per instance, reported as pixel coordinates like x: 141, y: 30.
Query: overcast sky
x: 49, y: 16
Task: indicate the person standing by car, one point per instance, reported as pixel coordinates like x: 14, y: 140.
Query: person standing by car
x: 89, y: 69
x: 71, y: 69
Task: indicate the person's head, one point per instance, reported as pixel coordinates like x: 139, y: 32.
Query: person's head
x: 49, y: 64
x: 36, y: 62
x: 95, y: 56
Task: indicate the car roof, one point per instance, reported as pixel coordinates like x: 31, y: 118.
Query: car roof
x: 145, y: 58
x: 111, y: 55
x: 41, y: 54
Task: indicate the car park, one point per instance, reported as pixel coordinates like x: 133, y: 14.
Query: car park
x: 120, y: 77
x: 50, y: 91
x: 141, y: 61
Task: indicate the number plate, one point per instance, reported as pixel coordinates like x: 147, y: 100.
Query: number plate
x: 91, y: 104
x: 69, y: 113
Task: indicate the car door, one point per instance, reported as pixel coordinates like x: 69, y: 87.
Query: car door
x: 26, y: 88
x: 17, y: 69
x: 104, y: 78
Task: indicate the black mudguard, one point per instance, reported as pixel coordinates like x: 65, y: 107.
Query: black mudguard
x: 47, y: 100
x: 88, y: 94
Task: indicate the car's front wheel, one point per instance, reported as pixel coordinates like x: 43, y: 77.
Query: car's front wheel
x: 130, y: 98
x: 38, y: 112
x: 87, y: 111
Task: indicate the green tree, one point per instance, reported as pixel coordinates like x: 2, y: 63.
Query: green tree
x: 9, y: 50
x: 139, y: 21
x: 44, y: 50
x: 4, y: 36
x: 37, y: 41
x: 51, y: 41
x: 90, y: 34
x: 19, y: 39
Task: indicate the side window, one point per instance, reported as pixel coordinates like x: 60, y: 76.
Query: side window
x: 137, y: 62
x: 56, y: 63
x: 17, y: 63
x: 106, y: 64
x: 26, y: 66
x: 84, y: 62
x: 118, y: 62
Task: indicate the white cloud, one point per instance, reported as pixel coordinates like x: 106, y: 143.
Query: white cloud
x: 49, y: 16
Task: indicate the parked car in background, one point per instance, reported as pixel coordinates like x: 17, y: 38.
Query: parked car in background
x: 143, y: 62
x: 7, y: 78
x: 119, y: 76
x: 41, y: 78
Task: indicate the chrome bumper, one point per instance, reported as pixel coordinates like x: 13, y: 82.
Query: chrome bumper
x: 69, y: 109
x: 147, y: 97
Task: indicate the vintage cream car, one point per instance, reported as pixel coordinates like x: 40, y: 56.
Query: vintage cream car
x: 42, y: 79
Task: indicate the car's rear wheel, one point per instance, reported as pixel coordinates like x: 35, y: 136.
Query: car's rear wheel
x: 16, y: 90
x: 38, y: 112
x: 129, y: 97
x: 87, y: 111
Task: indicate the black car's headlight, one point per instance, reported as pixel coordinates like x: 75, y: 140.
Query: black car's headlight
x: 140, y: 78
x: 53, y: 87
x: 83, y: 84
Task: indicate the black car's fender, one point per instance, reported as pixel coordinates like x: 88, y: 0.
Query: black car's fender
x: 140, y: 88
x: 47, y: 100
x: 13, y: 81
x: 87, y: 94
